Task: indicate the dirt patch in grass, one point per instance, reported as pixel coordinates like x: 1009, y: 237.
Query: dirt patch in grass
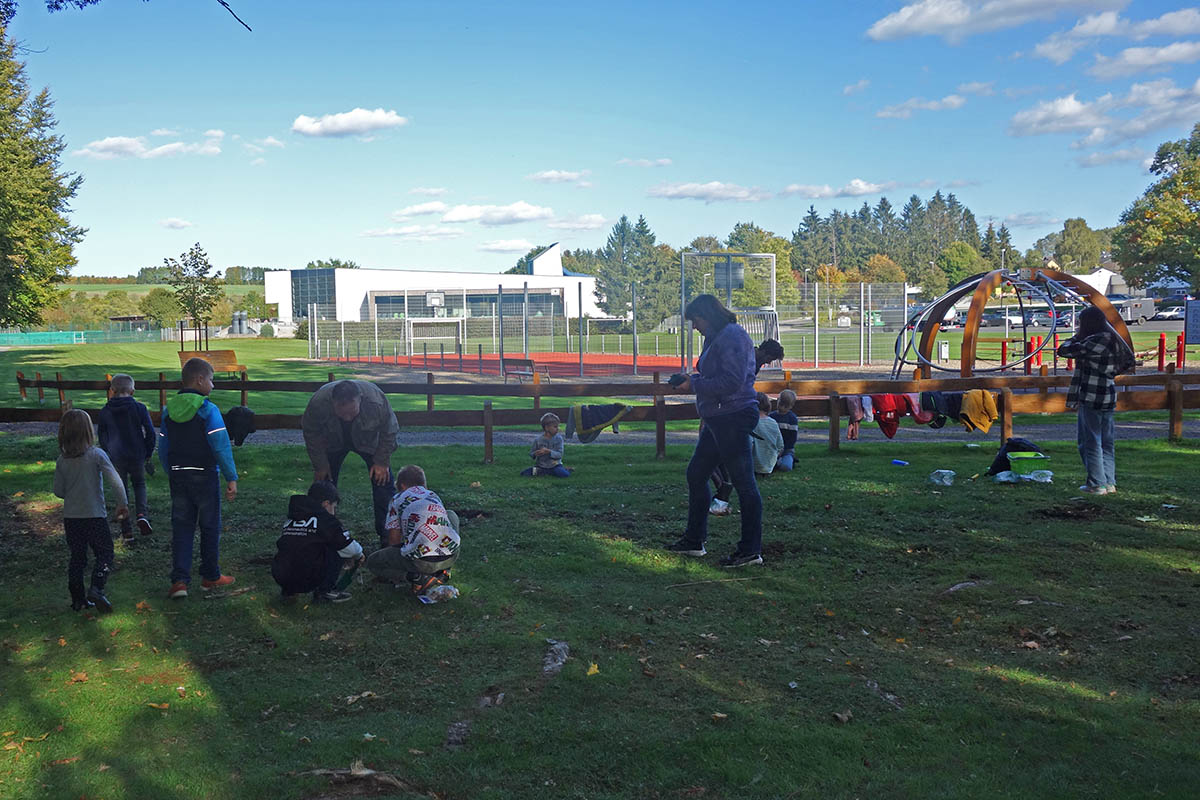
x: 1080, y: 511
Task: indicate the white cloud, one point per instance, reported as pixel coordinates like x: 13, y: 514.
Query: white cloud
x: 955, y: 20
x: 507, y: 246
x: 270, y: 141
x: 977, y: 87
x: 711, y: 192
x: 855, y: 188
x: 136, y: 147
x: 1184, y: 22
x: 417, y: 233
x: 855, y: 88
x: 430, y: 191
x: 215, y: 133
x: 510, y: 214
x: 1031, y: 219
x: 1062, y: 46
x: 1111, y: 157
x: 348, y: 123
x: 1061, y: 115
x: 258, y: 162
x: 1109, y: 119
x: 584, y: 222
x: 175, y: 223
x: 1140, y: 59
x: 163, y: 132
x: 905, y: 110
x: 645, y: 162
x: 561, y: 176
x: 432, y: 207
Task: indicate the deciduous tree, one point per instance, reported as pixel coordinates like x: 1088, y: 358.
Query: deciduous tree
x: 161, y: 306
x: 196, y: 290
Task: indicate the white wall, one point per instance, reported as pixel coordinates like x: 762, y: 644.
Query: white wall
x: 277, y: 287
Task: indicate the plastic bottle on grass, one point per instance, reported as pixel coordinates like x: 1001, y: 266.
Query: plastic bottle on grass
x: 897, y: 462
x: 942, y: 477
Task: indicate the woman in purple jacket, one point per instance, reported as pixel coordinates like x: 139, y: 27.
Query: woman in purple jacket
x: 725, y: 399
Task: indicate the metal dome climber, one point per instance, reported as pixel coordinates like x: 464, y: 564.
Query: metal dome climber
x: 1029, y: 284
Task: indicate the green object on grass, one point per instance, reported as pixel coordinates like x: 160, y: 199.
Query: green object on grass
x: 1024, y: 463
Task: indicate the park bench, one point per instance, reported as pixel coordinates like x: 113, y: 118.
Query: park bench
x: 521, y: 368
x: 221, y: 360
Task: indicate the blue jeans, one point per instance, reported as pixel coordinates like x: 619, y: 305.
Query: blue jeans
x: 557, y: 471
x: 1096, y: 446
x: 725, y: 440
x: 195, y: 498
x: 786, y: 462
x: 380, y: 495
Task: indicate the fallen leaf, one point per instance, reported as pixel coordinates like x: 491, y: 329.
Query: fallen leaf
x: 324, y: 637
x: 7, y: 733
x: 1113, y: 693
x: 62, y: 642
x: 476, y: 484
x: 843, y: 716
x: 719, y: 717
x: 957, y: 620
x: 900, y: 640
x: 114, y: 632
x: 19, y: 494
x: 159, y: 706
x: 649, y: 672
x: 1031, y: 645
x: 1024, y: 602
x: 828, y: 613
x: 103, y: 768
x: 593, y: 669
x: 305, y: 740
x: 416, y: 752
x: 182, y: 692
x: 62, y: 761
x: 1125, y: 638
x: 369, y: 737
x: 78, y: 677
x: 142, y: 606
x: 41, y: 738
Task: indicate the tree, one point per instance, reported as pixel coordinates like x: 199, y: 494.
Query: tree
x: 881, y: 269
x: 1159, y: 235
x: 161, y: 306
x: 8, y: 8
x: 36, y: 240
x: 932, y: 281
x: 958, y: 261
x: 196, y: 291
x: 256, y: 307
x: 1079, y: 244
x: 153, y: 275
x: 241, y: 276
x: 616, y: 270
x: 333, y: 263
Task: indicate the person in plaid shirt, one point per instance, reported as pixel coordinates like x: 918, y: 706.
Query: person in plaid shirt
x: 1100, y: 355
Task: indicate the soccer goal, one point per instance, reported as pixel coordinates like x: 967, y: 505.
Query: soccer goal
x: 434, y: 331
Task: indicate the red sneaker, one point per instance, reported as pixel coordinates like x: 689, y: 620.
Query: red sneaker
x: 178, y: 590
x: 224, y: 580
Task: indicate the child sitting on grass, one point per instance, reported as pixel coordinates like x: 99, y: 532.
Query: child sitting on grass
x: 127, y: 436
x: 316, y: 553
x: 789, y: 426
x: 423, y: 539
x: 766, y: 439
x: 77, y: 480
x: 547, y: 451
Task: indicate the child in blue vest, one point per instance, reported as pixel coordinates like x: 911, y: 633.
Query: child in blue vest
x: 192, y: 445
x: 789, y: 426
x: 127, y: 435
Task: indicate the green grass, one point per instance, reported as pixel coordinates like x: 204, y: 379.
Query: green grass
x: 851, y: 609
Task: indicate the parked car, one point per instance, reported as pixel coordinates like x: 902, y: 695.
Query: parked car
x: 1170, y: 312
x: 991, y: 319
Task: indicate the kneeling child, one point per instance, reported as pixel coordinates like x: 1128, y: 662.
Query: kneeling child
x: 316, y: 553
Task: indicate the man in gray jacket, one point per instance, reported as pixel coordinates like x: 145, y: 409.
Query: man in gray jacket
x: 353, y: 416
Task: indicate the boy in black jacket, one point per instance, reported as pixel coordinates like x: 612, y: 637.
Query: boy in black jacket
x: 316, y: 553
x: 127, y: 435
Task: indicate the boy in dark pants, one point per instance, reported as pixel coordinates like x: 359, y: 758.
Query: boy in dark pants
x: 127, y: 435
x: 316, y: 553
x: 192, y: 444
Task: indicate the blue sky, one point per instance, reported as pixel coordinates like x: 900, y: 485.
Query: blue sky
x: 457, y: 135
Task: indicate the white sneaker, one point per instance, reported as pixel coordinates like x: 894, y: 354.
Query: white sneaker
x: 1093, y: 489
x: 718, y: 508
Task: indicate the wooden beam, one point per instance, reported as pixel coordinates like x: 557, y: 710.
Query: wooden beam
x: 835, y: 420
x: 1175, y: 428
x: 1006, y: 414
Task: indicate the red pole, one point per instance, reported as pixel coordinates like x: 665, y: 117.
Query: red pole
x: 1037, y: 343
x: 1180, y: 353
x: 1028, y: 360
x: 1004, y: 354
x: 1162, y: 352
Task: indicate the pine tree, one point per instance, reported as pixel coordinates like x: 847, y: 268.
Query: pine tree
x: 990, y: 249
x: 36, y: 239
x: 616, y: 269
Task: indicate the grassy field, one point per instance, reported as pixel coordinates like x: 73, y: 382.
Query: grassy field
x: 979, y: 640
x: 140, y: 289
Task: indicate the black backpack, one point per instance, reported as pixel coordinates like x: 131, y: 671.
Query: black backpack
x: 1014, y: 445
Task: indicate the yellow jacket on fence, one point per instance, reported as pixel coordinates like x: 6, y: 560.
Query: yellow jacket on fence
x: 978, y: 410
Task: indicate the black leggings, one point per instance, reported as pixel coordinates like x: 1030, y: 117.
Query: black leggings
x: 81, y: 534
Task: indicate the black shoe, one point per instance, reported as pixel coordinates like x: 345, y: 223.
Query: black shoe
x: 741, y: 560
x: 81, y: 604
x: 424, y: 583
x: 332, y: 596
x: 96, y: 597
x: 687, y: 548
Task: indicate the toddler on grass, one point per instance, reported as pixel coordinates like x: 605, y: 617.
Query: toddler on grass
x: 547, y: 451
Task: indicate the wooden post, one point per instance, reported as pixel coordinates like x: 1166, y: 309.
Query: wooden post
x: 835, y: 420
x: 429, y: 397
x: 162, y: 391
x: 21, y: 386
x: 787, y: 377
x: 1006, y: 414
x: 487, y: 431
x: 245, y: 393
x: 537, y: 390
x: 331, y: 377
x: 62, y: 396
x: 1175, y: 403
x: 41, y: 390
x: 480, y: 357
x: 660, y: 421
x: 1043, y: 370
x: 108, y: 377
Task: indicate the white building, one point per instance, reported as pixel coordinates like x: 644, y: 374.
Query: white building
x: 353, y: 295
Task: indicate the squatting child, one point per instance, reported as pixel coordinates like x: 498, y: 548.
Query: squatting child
x: 77, y: 480
x: 547, y: 450
x: 423, y: 540
x: 316, y: 553
x: 789, y: 426
x: 192, y: 445
x: 766, y: 439
x: 127, y: 435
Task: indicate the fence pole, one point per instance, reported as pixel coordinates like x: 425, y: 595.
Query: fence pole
x: 500, y: 324
x: 870, y: 328
x: 1004, y: 355
x: 425, y: 353
x: 633, y: 295
x: 42, y: 392
x: 487, y: 431
x: 835, y: 420
x: 525, y: 319
x: 579, y: 286
x: 537, y: 391
x: 1180, y: 354
x: 1175, y: 404
x: 21, y: 386
x: 442, y: 349
x: 62, y: 396
x: 862, y: 317
x: 375, y: 314
x: 816, y: 325
x: 429, y: 397
x: 459, y: 347
x: 331, y: 378
x: 245, y: 393
x: 162, y: 391
x: 1162, y: 352
x: 480, y: 357
x: 1006, y: 414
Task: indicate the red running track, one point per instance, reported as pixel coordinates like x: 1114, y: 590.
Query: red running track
x: 559, y: 365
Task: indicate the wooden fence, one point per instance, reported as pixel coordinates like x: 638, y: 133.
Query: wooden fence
x: 1015, y: 394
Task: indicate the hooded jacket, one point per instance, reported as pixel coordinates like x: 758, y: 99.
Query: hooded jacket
x: 372, y: 432
x: 724, y: 382
x: 192, y: 436
x: 309, y: 533
x: 126, y: 432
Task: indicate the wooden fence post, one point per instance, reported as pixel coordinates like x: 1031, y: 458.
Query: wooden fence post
x: 108, y: 377
x: 1175, y: 404
x: 21, y: 386
x: 41, y: 390
x: 162, y: 391
x: 537, y: 390
x: 429, y: 397
x: 245, y: 397
x: 1006, y: 414
x: 331, y: 377
x: 62, y: 395
x: 487, y: 431
x: 660, y: 421
x: 1043, y: 370
x: 835, y: 420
